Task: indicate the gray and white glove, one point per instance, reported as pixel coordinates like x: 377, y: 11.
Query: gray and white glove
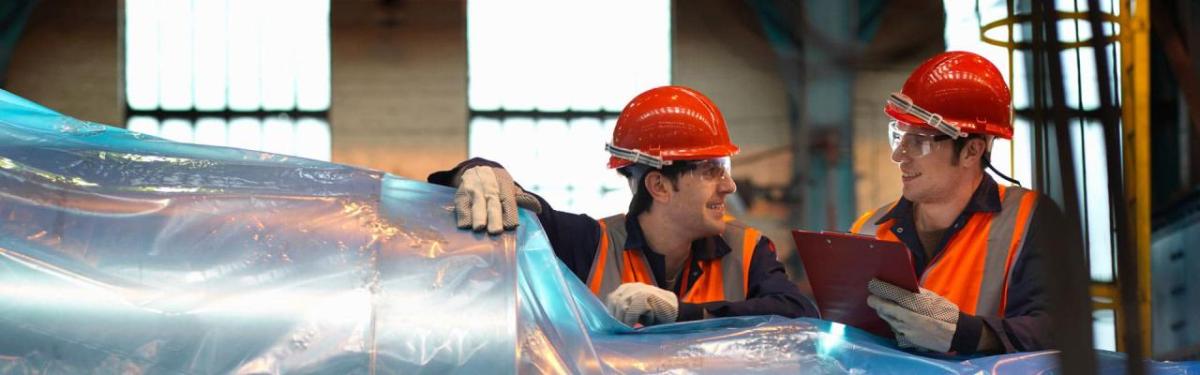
x: 924, y: 320
x: 634, y: 303
x: 487, y: 198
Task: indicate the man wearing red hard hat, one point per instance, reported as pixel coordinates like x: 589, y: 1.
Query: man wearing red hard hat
x: 675, y: 256
x: 978, y: 247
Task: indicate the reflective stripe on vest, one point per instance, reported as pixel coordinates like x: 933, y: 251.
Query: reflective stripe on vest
x: 974, y: 268
x: 723, y: 279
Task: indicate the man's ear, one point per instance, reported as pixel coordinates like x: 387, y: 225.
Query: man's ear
x: 972, y: 152
x: 659, y: 186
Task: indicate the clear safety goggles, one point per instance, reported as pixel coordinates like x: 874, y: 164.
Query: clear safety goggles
x: 914, y: 141
x: 715, y: 169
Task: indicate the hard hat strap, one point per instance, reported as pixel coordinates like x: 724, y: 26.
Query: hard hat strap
x: 933, y: 119
x: 1001, y: 174
x: 636, y: 156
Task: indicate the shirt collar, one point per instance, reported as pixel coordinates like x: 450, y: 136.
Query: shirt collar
x: 986, y: 198
x: 702, y: 249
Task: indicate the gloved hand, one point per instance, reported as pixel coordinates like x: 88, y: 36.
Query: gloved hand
x: 634, y: 303
x: 925, y: 320
x: 488, y: 198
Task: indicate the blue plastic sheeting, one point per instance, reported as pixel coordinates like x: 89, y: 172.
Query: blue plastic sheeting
x: 123, y: 253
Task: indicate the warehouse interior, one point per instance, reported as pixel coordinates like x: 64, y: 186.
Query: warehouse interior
x: 1106, y: 126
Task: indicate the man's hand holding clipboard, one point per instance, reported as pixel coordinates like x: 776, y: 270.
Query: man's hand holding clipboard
x: 840, y: 266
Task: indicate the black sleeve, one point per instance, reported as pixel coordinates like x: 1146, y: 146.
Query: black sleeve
x: 574, y: 237
x: 1026, y: 322
x: 769, y: 292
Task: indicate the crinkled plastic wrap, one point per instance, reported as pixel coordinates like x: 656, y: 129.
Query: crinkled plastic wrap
x: 122, y: 253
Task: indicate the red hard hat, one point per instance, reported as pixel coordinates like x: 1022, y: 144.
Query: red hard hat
x: 669, y: 123
x: 961, y: 89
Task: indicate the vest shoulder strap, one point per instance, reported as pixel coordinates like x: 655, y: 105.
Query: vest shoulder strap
x: 615, y: 226
x: 742, y: 241
x: 865, y: 225
x: 605, y: 274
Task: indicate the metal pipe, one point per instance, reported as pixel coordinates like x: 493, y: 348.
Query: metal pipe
x: 1127, y: 269
x: 1072, y: 335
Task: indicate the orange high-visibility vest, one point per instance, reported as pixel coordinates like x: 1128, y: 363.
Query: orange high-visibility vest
x: 723, y: 279
x: 974, y: 268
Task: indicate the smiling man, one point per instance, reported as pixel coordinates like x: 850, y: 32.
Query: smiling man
x: 675, y: 256
x: 977, y: 246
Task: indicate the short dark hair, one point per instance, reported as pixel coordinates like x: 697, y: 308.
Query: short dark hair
x: 961, y: 143
x: 641, y: 197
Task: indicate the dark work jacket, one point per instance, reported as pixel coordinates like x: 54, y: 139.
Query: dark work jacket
x: 1025, y: 325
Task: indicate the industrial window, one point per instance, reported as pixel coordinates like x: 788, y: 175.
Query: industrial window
x: 238, y: 73
x: 546, y: 80
x: 964, y: 22
x: 303, y: 137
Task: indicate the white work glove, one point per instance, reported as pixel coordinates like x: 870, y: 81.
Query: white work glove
x: 634, y: 303
x: 924, y: 320
x: 488, y: 198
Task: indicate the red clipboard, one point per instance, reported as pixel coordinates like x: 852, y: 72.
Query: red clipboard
x: 839, y: 266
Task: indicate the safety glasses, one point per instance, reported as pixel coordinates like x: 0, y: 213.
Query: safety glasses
x: 913, y: 141
x: 715, y: 169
